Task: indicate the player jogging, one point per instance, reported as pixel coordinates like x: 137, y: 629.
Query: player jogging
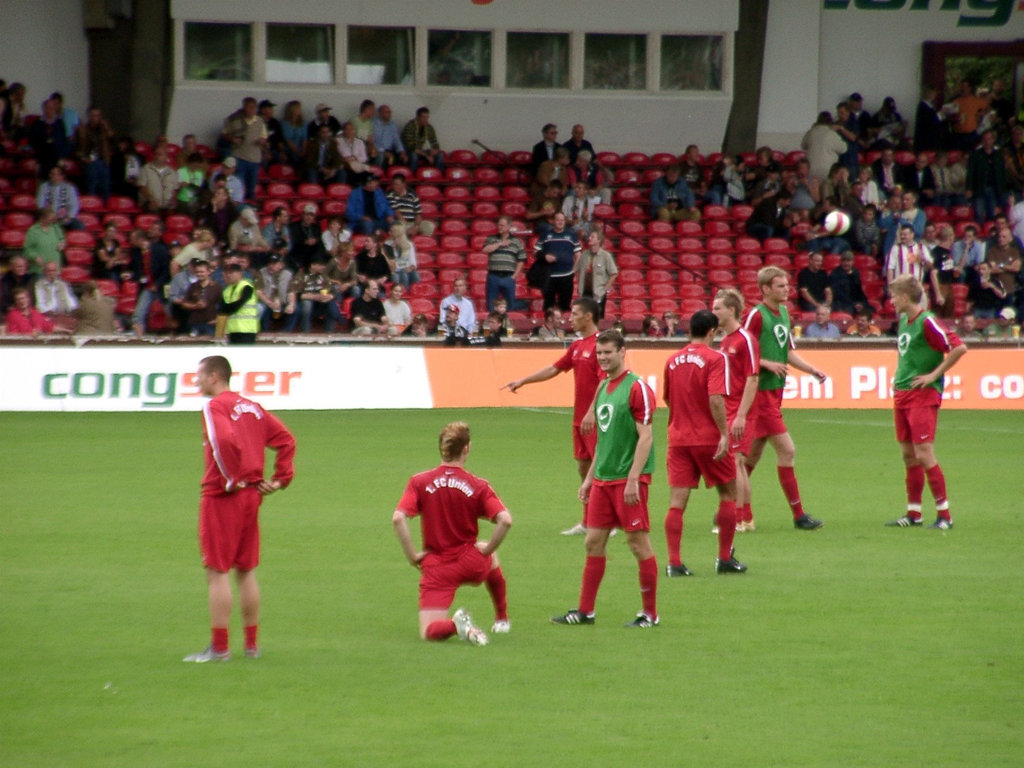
x: 744, y: 356
x: 581, y: 359
x: 926, y: 352
x: 615, y: 488
x: 697, y: 383
x: 236, y: 432
x: 769, y: 323
x: 449, y: 501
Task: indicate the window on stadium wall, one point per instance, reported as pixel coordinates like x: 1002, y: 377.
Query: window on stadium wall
x: 300, y: 53
x: 218, y: 51
x: 458, y: 57
x: 691, y: 63
x: 537, y: 60
x: 380, y: 55
x: 615, y: 62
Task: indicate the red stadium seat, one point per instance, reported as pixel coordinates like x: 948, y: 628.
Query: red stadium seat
x: 487, y: 192
x: 630, y: 261
x: 688, y: 306
x: 485, y: 210
x: 715, y: 212
x: 279, y: 189
x: 80, y: 239
x: 486, y: 175
x: 429, y: 192
x: 23, y: 202
x: 663, y: 159
x: 720, y: 260
x: 661, y: 244
x: 122, y: 205
x: 631, y: 211
x: 719, y: 245
x: 515, y: 194
x: 692, y: 292
x: 632, y: 290
x: 633, y: 307
x: 663, y: 228
x: 657, y: 261
x: 689, y: 228
x: 119, y: 220
x: 78, y: 257
x: 520, y: 157
x: 631, y: 276
x: 663, y: 290
x: 689, y: 244
x: 75, y: 274
x: 610, y: 159
x: 625, y: 176
x: 281, y: 172
x: 461, y: 157
x: 633, y: 228
x: 458, y: 193
x: 661, y: 306
x: 659, y: 276
x: 483, y: 226
x: 717, y: 228
x: 429, y: 173
x: 455, y: 210
x: 331, y: 207
x: 19, y: 220
x: 636, y: 159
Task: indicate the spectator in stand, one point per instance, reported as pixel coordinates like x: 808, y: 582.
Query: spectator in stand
x: 420, y: 327
x: 109, y: 258
x: 12, y: 114
x: 363, y: 125
x: 869, y: 194
x: 806, y: 190
x: 1004, y: 260
x: 368, y: 209
x: 459, y: 299
x: 551, y: 329
x: 542, y: 210
x: 182, y: 280
x: 847, y: 289
x: 158, y: 183
x: 318, y: 299
x: 1015, y: 218
x: 544, y: 150
x: 369, y: 316
x: 151, y: 269
x: 944, y: 273
x: 672, y: 199
x: 824, y: 145
x: 399, y: 249
x: 355, y: 158
x: 986, y: 178
x: 44, y: 241
x: 191, y: 183
x: 323, y: 118
x: 928, y: 122
x: 556, y: 169
x: 907, y: 257
x: 579, y: 209
x: 1014, y: 152
x: 596, y: 271
x: 969, y: 109
x: 1003, y: 328
x: 812, y: 284
x: 903, y: 211
x: 818, y: 238
x: 277, y: 228
x: 420, y: 141
x: 406, y: 205
x: 822, y: 327
x: 577, y: 144
x: 598, y: 178
x: 397, y: 311
x: 322, y: 161
x: 246, y: 133
x: 506, y: 256
x: 670, y: 325
x: 853, y: 135
x: 95, y: 313
x: 201, y: 248
x: 835, y: 189
x: 232, y: 183
x: 219, y: 214
x: 125, y: 168
x: 48, y: 138
x: 862, y: 326
x: 244, y: 236
x: 886, y: 172
x: 887, y: 126
x: 307, y: 245
x: 61, y: 195
x: 692, y: 171
x: 335, y: 236
x: 341, y: 271
x: 650, y: 327
x: 770, y: 217
x: 920, y: 180
x: 985, y: 294
x: 372, y: 263
x: 967, y: 328
x: 201, y: 301
x: 950, y: 181
x: 727, y: 186
x: 16, y: 276
x: 273, y: 149
x: 93, y: 140
x: 455, y: 335
x: 55, y: 298
x: 968, y: 253
x: 67, y: 114
x: 275, y: 288
x: 561, y: 250
x: 293, y: 134
x: 23, y: 319
x: 387, y: 139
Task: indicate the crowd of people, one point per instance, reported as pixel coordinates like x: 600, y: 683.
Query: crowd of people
x: 951, y: 214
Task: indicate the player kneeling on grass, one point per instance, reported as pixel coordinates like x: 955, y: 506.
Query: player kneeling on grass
x: 615, y: 488
x: 449, y: 501
x: 697, y: 382
x: 927, y: 350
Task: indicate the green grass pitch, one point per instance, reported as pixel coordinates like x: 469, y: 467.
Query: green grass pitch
x: 855, y: 645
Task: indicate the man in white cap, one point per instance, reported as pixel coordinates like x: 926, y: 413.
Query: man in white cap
x: 323, y: 117
x: 1004, y: 325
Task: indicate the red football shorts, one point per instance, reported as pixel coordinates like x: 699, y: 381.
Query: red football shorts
x: 917, y: 415
x: 583, y: 444
x: 688, y: 463
x: 607, y: 508
x: 743, y: 446
x: 441, y: 576
x: 769, y: 414
x: 229, y: 532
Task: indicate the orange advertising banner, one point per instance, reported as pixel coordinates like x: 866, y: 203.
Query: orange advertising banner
x: 989, y: 379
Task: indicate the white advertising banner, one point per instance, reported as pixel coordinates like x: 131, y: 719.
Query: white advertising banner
x: 163, y: 378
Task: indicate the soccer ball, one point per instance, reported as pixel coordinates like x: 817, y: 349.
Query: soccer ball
x: 837, y: 222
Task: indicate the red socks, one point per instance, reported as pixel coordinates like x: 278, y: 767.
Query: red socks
x: 744, y: 514
x: 250, y: 636
x: 790, y: 489
x: 593, y: 572
x: 496, y: 587
x: 915, y: 489
x: 937, y: 484
x: 726, y: 528
x: 441, y: 630
x: 219, y: 639
x: 649, y: 586
x: 674, y: 534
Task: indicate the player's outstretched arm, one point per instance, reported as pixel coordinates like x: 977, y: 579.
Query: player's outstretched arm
x: 398, y: 521
x: 542, y: 375
x: 502, y: 522
x: 801, y: 364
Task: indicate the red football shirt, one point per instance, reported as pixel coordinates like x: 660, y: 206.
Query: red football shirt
x: 744, y: 357
x: 581, y: 358
x: 236, y: 432
x: 449, y: 501
x: 691, y: 375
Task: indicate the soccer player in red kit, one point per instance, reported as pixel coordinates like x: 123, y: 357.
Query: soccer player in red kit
x: 581, y: 359
x: 236, y: 432
x: 744, y: 355
x: 927, y: 351
x: 615, y: 488
x: 449, y: 501
x: 697, y: 382
x: 769, y: 323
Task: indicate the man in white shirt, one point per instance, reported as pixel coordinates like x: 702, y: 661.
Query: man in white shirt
x: 54, y: 297
x: 467, y: 313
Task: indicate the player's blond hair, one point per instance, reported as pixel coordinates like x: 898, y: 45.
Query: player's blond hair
x: 453, y: 440
x: 909, y: 286
x: 732, y: 299
x: 765, y: 275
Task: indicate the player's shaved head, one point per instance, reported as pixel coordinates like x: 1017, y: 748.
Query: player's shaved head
x: 587, y: 306
x: 453, y: 440
x: 218, y: 365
